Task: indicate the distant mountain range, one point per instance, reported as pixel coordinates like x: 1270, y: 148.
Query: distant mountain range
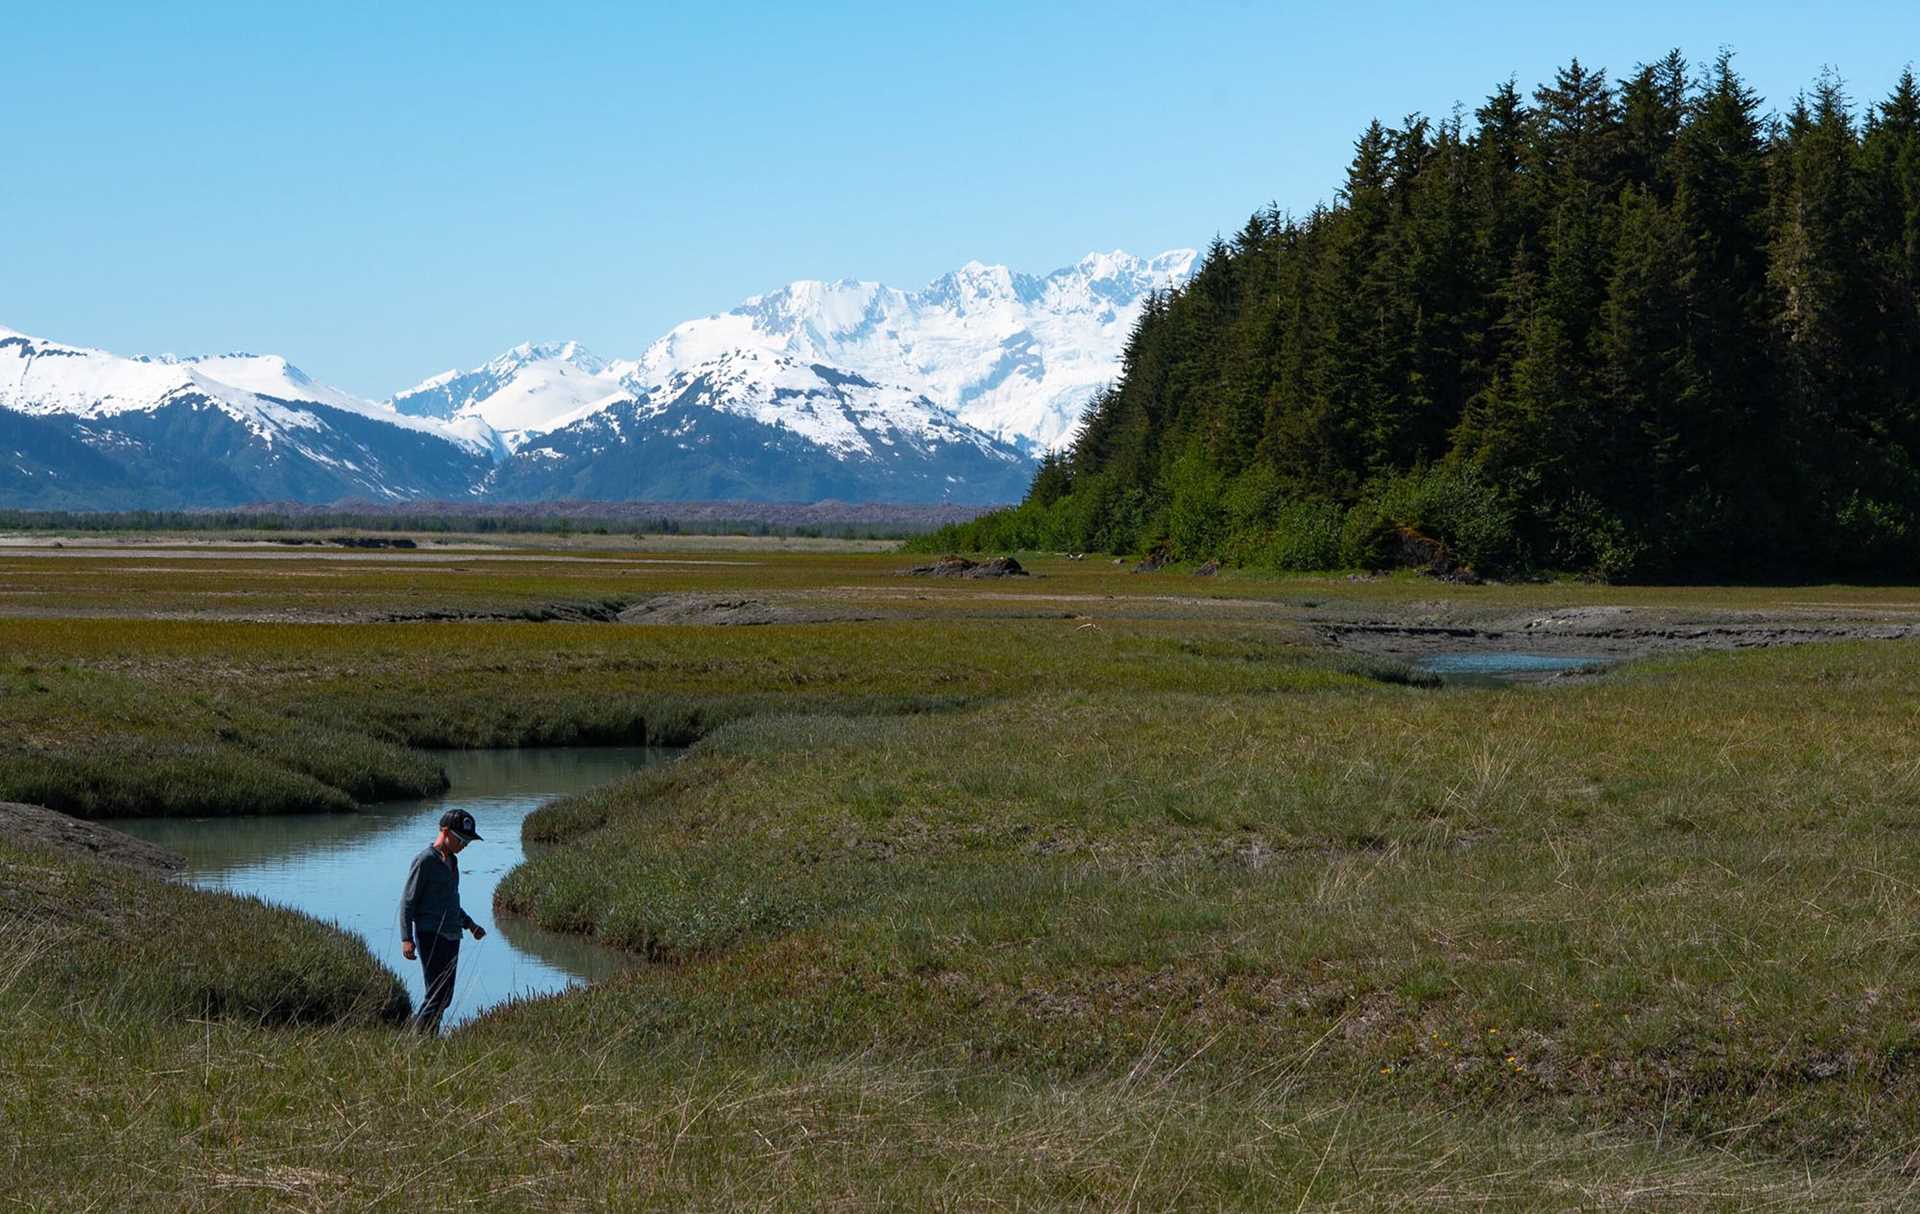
x: 84, y: 429
x: 1012, y: 354
x: 844, y: 390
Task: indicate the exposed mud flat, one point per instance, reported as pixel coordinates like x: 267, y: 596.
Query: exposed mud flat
x: 741, y: 610
x: 1613, y: 633
x: 37, y: 827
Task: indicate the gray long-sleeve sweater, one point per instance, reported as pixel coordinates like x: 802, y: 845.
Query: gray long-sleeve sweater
x: 430, y: 902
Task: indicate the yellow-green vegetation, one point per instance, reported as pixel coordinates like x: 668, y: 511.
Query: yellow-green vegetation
x: 1682, y: 894
x: 1020, y: 897
x: 93, y: 944
x: 115, y: 718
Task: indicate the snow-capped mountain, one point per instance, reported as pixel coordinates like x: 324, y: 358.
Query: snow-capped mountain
x: 757, y: 426
x: 1015, y: 355
x: 522, y: 392
x: 847, y: 389
x: 89, y: 428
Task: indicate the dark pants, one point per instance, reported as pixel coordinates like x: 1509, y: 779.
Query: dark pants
x: 439, y: 958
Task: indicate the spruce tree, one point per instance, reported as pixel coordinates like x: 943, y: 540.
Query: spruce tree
x: 1653, y: 108
x: 1719, y: 167
x: 1662, y: 334
x: 1644, y: 464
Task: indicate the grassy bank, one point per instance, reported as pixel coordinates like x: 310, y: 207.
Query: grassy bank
x: 98, y: 946
x: 1681, y: 899
x: 1023, y: 897
x: 117, y: 718
x: 132, y: 1091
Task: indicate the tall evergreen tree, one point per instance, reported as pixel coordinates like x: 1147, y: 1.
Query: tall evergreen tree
x: 1652, y: 329
x: 1644, y: 465
x: 1653, y: 108
x: 1356, y: 356
x: 1720, y: 174
x: 1890, y: 155
x: 1443, y: 298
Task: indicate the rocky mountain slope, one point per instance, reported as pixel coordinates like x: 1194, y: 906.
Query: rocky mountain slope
x: 753, y: 426
x: 850, y: 390
x: 1016, y: 355
x: 82, y: 428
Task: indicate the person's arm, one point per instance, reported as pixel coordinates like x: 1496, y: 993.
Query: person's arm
x: 409, y: 894
x: 479, y: 933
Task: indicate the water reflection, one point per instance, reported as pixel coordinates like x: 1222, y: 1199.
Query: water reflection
x: 348, y: 868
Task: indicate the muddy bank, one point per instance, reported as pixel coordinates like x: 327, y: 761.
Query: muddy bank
x: 1612, y: 633
x: 36, y: 827
x: 740, y: 610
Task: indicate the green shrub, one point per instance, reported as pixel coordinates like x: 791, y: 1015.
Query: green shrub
x: 1305, y: 537
x: 1368, y: 536
x: 1452, y: 503
x: 1594, y: 540
x: 1196, y: 515
x: 1873, y: 534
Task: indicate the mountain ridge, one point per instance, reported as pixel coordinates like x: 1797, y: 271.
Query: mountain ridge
x: 845, y: 389
x: 1014, y: 354
x: 94, y: 428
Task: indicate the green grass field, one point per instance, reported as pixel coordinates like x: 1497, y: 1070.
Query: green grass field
x: 1018, y: 896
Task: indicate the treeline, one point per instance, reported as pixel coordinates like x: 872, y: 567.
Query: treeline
x: 1634, y: 329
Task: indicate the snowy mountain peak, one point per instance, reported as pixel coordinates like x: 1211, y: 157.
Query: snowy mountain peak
x: 1013, y: 354
x: 271, y: 370
x: 570, y: 352
x: 264, y: 392
x: 1172, y: 267
x: 223, y: 428
x: 434, y: 381
x: 524, y: 390
x: 1176, y: 265
x: 766, y: 425
x: 841, y: 412
x: 977, y: 285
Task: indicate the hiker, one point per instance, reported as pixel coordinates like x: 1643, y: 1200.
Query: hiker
x: 430, y: 915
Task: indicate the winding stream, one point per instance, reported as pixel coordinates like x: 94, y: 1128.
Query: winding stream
x: 348, y: 868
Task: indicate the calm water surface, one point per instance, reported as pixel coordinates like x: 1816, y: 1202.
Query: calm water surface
x: 1494, y: 668
x: 348, y: 868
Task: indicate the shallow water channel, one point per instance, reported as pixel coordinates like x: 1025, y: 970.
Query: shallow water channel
x: 1495, y: 668
x: 348, y: 868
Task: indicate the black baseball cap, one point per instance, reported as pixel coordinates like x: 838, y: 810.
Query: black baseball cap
x: 460, y: 822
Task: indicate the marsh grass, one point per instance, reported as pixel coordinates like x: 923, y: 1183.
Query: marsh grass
x: 117, y: 718
x: 1128, y: 906
x: 1683, y: 906
x: 1395, y: 671
x: 99, y: 743
x: 87, y: 937
x: 227, y: 1116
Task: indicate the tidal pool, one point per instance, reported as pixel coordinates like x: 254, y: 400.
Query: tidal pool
x: 348, y: 868
x: 1492, y: 668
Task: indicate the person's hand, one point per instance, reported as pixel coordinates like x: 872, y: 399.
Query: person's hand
x: 406, y: 949
x: 479, y: 933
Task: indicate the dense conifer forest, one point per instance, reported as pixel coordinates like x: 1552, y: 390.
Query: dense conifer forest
x: 1636, y: 330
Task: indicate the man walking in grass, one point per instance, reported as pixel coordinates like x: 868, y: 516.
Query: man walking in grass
x: 430, y: 916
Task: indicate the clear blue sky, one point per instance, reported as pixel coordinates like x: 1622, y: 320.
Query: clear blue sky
x: 380, y: 195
